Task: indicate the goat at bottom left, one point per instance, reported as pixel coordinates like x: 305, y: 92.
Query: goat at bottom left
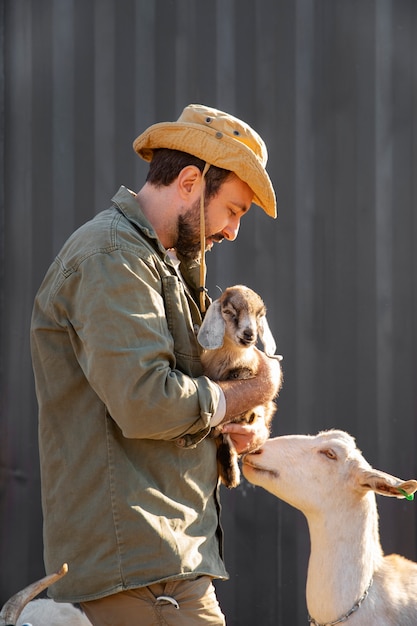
x: 22, y: 610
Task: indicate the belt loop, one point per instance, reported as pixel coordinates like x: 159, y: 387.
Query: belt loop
x: 167, y: 600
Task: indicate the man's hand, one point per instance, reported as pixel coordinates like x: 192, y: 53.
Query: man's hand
x: 247, y: 437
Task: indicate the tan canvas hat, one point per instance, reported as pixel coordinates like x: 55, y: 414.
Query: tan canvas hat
x: 218, y: 139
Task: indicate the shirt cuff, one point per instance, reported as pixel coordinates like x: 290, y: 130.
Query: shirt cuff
x: 220, y: 412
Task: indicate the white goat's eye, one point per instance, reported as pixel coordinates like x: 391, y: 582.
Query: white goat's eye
x: 331, y: 454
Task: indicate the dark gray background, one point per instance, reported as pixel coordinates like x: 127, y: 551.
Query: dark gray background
x: 332, y: 87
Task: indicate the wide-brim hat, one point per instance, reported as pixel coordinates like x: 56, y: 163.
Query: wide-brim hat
x: 219, y: 139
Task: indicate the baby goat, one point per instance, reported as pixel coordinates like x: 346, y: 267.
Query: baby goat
x: 230, y: 330
x: 327, y: 478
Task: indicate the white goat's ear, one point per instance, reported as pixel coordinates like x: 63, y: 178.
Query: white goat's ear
x: 387, y: 485
x: 266, y: 337
x: 211, y: 333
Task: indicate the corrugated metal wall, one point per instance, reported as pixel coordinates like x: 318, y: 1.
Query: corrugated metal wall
x: 332, y: 87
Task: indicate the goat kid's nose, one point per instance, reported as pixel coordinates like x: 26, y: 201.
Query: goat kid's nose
x: 248, y: 334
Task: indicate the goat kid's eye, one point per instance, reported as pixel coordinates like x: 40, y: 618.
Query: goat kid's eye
x: 230, y: 313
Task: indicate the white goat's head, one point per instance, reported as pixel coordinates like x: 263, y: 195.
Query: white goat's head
x: 320, y: 473
x: 238, y: 316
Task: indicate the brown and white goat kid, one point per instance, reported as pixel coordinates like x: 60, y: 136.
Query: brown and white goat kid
x: 229, y: 333
x: 327, y: 478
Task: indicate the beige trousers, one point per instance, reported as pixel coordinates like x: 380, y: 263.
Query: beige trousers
x: 177, y: 603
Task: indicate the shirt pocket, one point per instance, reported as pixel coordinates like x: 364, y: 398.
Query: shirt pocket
x: 181, y: 327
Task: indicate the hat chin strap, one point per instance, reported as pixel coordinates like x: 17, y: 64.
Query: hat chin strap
x: 203, y: 242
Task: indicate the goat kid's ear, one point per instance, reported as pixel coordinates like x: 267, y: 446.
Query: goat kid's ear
x: 211, y: 333
x: 266, y: 337
x: 387, y: 485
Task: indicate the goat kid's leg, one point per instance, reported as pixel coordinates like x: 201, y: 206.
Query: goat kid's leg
x: 227, y: 462
x: 227, y: 457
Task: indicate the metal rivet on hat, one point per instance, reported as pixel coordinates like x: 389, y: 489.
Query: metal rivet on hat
x: 236, y: 132
x: 208, y: 120
x: 219, y: 135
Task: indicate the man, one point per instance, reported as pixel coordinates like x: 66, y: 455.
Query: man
x: 129, y: 479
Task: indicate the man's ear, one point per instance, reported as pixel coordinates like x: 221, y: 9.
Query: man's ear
x: 189, y: 183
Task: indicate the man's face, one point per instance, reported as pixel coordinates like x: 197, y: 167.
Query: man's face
x: 222, y: 218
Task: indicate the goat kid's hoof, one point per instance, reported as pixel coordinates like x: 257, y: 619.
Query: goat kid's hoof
x: 230, y: 477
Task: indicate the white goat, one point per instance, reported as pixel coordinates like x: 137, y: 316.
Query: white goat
x: 327, y: 478
x: 46, y: 612
x: 229, y: 333
x: 19, y: 611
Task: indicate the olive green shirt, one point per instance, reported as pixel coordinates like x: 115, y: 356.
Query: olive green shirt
x: 129, y: 478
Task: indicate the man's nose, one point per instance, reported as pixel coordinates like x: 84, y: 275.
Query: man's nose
x: 231, y: 231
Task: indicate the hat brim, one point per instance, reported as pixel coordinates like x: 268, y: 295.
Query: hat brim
x: 216, y: 148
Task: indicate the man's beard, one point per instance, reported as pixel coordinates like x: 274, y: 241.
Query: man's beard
x: 188, y: 233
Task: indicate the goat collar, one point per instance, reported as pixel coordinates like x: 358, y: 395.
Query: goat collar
x: 346, y: 616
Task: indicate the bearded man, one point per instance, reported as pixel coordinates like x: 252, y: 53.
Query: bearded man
x: 130, y: 491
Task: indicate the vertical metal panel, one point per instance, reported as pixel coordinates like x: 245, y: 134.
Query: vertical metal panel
x: 332, y: 88
x: 63, y: 122
x: 383, y: 220
x: 20, y: 507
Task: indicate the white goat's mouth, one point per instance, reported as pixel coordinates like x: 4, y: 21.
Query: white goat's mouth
x: 258, y: 468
